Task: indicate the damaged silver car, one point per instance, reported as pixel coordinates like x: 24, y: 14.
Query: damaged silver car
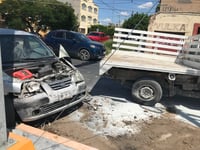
x: 36, y: 82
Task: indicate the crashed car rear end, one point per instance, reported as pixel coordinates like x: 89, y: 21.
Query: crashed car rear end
x: 36, y: 82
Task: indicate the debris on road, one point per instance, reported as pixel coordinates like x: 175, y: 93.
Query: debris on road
x: 114, y: 118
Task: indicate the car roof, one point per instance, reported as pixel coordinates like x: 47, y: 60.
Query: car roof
x: 62, y: 30
x: 96, y: 32
x: 5, y: 31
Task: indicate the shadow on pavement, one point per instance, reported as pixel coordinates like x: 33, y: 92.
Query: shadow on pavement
x: 79, y: 63
x: 111, y: 88
x: 186, y: 108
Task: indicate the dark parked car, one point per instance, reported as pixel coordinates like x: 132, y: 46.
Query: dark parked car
x: 98, y: 36
x: 76, y: 44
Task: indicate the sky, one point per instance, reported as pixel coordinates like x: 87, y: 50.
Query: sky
x: 116, y: 11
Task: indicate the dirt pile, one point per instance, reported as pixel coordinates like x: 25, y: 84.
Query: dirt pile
x: 121, y: 125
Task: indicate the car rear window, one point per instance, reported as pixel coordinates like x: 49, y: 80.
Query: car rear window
x: 94, y: 34
x: 60, y: 35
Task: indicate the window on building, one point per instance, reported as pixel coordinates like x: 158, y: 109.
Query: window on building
x: 95, y: 21
x: 84, y: 6
x: 89, y: 18
x: 83, y: 18
x: 196, y: 29
x: 95, y: 10
x: 90, y: 8
x: 82, y: 30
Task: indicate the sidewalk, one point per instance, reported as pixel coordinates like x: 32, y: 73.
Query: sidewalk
x: 43, y: 140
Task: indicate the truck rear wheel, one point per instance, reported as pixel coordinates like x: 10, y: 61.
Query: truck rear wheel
x: 146, y: 92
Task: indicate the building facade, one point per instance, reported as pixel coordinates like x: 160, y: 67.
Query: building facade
x: 177, y: 16
x: 86, y: 11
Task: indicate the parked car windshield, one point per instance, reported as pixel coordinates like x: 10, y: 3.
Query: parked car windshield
x: 16, y: 48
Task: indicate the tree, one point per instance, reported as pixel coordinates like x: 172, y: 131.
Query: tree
x: 35, y: 14
x: 158, y: 7
x: 137, y: 21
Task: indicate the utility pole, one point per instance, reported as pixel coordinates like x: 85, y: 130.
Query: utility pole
x: 113, y: 11
x: 3, y: 129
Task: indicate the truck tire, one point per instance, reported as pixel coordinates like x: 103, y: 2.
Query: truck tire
x: 10, y: 112
x: 146, y: 92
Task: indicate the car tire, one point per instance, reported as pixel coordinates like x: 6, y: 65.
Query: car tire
x: 84, y: 54
x: 10, y: 112
x: 147, y: 92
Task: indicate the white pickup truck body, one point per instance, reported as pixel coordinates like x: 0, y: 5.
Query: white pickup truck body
x: 154, y: 63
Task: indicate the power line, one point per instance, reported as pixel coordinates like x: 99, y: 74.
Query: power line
x: 128, y: 35
x: 106, y: 4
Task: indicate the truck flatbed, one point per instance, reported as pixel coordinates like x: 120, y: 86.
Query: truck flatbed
x: 145, y: 61
x: 153, y: 51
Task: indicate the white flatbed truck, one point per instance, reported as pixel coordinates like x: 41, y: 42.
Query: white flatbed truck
x: 154, y: 64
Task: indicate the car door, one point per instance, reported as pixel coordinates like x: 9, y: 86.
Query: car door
x: 70, y: 43
x: 103, y: 37
x: 54, y: 39
x: 61, y: 37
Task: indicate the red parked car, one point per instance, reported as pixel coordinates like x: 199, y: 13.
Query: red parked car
x: 98, y: 36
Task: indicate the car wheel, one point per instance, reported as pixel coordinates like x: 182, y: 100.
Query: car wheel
x: 146, y: 92
x: 84, y: 54
x: 10, y: 112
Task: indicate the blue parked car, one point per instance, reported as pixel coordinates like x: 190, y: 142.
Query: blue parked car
x: 76, y: 44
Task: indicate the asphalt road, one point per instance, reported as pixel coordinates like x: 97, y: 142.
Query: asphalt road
x: 100, y: 85
x: 90, y: 71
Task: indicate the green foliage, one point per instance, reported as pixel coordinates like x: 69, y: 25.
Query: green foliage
x: 21, y: 14
x: 158, y: 7
x: 16, y: 23
x: 108, y: 46
x: 109, y: 30
x: 137, y: 21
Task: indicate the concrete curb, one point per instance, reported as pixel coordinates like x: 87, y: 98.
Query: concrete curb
x: 53, y: 137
